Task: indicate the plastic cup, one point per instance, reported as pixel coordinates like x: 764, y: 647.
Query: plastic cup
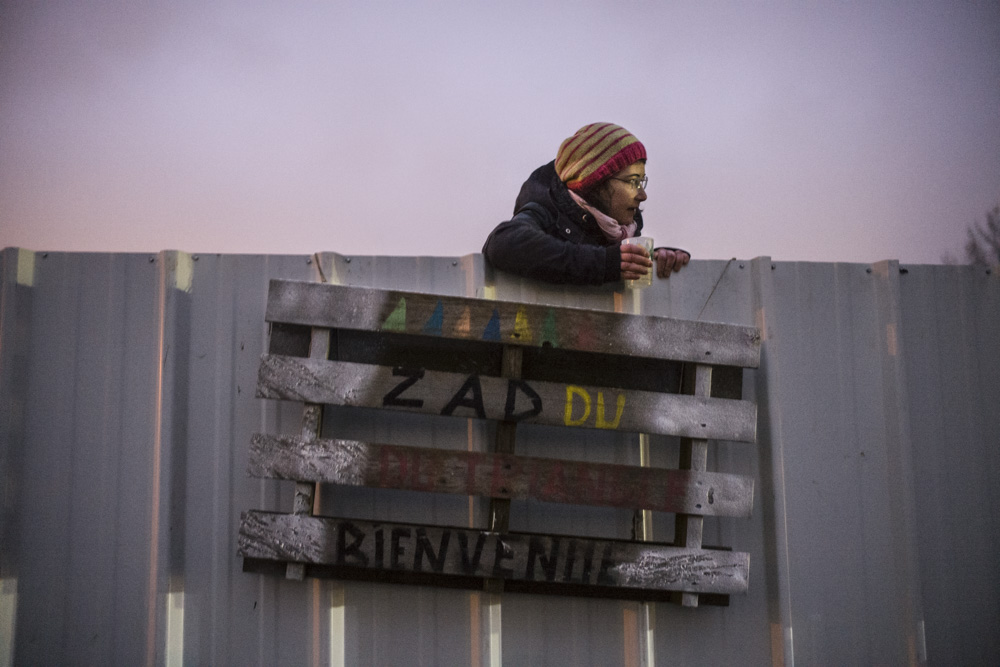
x: 647, y: 243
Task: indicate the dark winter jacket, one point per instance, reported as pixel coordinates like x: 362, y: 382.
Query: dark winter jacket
x: 552, y: 238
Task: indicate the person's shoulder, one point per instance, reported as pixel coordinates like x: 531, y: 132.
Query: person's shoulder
x: 538, y: 188
x: 544, y: 174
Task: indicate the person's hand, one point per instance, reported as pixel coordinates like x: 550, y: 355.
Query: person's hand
x: 635, y: 262
x: 668, y: 261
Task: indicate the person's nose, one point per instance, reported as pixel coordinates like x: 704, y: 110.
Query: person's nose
x: 640, y: 194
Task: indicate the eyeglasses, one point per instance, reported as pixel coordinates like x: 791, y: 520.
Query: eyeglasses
x: 636, y: 181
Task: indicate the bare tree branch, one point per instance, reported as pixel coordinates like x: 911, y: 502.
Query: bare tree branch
x: 982, y: 241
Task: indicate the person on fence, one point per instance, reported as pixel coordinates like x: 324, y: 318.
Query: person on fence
x: 573, y: 213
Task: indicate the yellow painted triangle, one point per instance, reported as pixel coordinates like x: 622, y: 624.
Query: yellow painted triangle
x: 397, y: 318
x: 522, y: 330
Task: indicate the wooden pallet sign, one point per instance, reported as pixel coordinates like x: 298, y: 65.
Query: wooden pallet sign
x: 511, y: 363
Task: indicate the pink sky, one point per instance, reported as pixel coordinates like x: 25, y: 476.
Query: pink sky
x: 838, y: 131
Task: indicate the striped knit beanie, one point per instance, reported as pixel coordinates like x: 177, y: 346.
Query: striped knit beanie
x: 595, y: 152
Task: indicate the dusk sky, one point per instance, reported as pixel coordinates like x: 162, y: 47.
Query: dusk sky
x: 823, y: 131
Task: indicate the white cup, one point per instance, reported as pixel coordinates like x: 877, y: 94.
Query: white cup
x: 647, y: 243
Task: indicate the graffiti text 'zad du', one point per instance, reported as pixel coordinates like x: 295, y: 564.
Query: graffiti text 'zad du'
x: 577, y: 411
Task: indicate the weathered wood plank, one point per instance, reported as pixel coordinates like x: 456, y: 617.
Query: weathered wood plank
x: 339, y: 306
x: 505, y: 440
x: 688, y: 528
x: 485, y: 397
x: 312, y: 421
x: 312, y: 426
x: 354, y: 463
x: 457, y: 552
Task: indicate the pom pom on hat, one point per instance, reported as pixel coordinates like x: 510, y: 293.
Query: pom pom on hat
x: 595, y: 152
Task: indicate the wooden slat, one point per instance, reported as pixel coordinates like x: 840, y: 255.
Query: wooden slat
x: 339, y: 306
x: 465, y: 553
x: 312, y: 426
x: 504, y: 442
x: 312, y: 422
x: 354, y: 463
x: 454, y: 394
x: 688, y: 528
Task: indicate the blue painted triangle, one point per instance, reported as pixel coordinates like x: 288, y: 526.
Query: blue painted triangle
x: 492, y: 331
x: 433, y: 326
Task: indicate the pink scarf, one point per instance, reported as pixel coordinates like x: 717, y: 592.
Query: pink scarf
x: 611, y: 227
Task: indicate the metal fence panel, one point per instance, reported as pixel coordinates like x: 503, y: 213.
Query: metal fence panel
x: 127, y: 404
x: 951, y: 334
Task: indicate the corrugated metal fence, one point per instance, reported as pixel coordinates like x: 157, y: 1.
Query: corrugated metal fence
x: 127, y: 387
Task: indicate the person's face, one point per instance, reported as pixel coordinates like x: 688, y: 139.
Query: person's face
x: 620, y: 197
